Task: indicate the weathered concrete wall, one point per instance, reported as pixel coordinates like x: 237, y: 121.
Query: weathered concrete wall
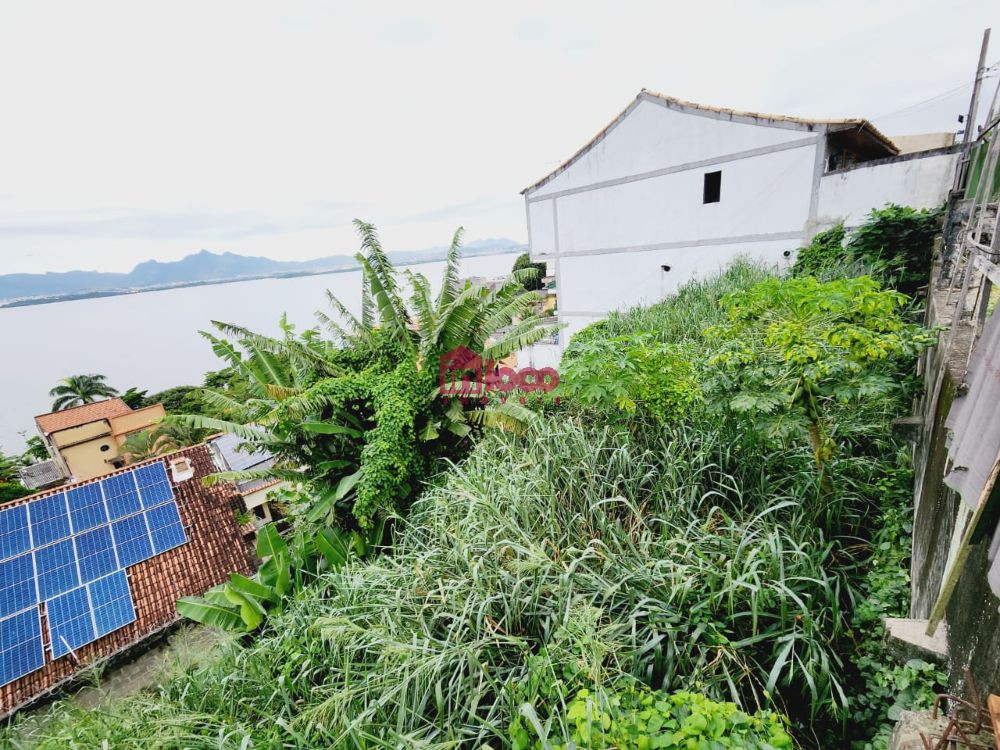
x: 972, y: 615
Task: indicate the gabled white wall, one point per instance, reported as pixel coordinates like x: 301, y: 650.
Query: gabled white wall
x: 760, y: 195
x: 653, y: 137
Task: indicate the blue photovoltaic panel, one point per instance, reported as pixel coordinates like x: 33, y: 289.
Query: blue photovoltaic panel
x: 70, y: 622
x: 14, y: 536
x: 153, y: 485
x: 55, y: 567
x: 20, y: 645
x: 120, y: 495
x: 165, y: 527
x: 49, y: 519
x: 112, y: 602
x: 17, y: 585
x: 86, y: 507
x: 132, y: 540
x: 96, y: 552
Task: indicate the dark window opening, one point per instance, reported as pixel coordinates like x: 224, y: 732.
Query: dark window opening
x: 105, y: 448
x: 713, y: 187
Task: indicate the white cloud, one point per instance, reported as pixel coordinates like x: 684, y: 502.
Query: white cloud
x: 137, y: 130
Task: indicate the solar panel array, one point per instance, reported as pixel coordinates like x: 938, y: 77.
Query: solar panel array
x: 69, y: 552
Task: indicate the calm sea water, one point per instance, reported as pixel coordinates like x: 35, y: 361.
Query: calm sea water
x: 151, y: 340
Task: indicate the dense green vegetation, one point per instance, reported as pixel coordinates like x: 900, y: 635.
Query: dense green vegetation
x: 655, y: 562
x: 533, y: 282
x: 359, y: 417
x: 896, y: 241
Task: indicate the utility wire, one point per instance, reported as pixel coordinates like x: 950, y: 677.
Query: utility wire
x: 937, y: 97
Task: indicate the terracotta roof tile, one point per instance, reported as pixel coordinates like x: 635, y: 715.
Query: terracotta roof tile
x: 80, y: 415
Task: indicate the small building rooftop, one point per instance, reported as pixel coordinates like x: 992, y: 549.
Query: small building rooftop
x: 80, y: 415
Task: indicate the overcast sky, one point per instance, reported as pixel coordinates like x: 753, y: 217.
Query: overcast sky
x: 134, y: 130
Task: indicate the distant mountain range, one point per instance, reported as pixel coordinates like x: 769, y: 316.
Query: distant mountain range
x: 202, y: 268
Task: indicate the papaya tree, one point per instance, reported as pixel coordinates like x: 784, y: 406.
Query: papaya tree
x: 793, y: 347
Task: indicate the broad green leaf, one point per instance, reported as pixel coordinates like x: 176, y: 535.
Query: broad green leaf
x: 200, y: 610
x: 251, y: 611
x: 251, y: 587
x: 328, y: 428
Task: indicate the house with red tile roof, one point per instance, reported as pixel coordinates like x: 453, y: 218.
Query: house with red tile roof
x: 85, y: 441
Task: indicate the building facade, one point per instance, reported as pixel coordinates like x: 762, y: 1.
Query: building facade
x: 85, y: 441
x: 672, y: 191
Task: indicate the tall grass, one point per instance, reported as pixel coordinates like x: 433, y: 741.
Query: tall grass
x: 609, y: 559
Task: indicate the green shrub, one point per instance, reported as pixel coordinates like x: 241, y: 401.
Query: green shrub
x: 533, y: 283
x: 633, y: 717
x: 12, y: 491
x: 895, y: 244
x: 622, y: 375
x: 903, y: 239
x: 825, y: 251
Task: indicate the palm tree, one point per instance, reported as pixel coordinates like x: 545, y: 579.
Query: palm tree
x: 80, y: 389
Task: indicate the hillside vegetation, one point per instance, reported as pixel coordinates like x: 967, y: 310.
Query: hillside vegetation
x: 693, y: 550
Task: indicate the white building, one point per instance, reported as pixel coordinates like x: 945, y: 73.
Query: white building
x: 672, y: 190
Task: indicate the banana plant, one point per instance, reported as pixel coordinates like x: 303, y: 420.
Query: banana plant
x: 242, y: 604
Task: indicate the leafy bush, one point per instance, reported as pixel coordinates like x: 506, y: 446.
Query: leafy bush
x: 825, y: 251
x: 630, y: 374
x: 895, y: 243
x: 633, y: 717
x: 790, y: 346
x: 362, y: 409
x: 534, y: 282
x: 12, y: 491
x: 241, y: 604
x: 902, y: 238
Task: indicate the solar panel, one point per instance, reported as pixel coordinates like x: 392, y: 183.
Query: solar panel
x: 69, y: 550
x: 55, y: 567
x: 154, y: 488
x: 17, y: 585
x: 15, y: 539
x: 96, y: 552
x: 234, y: 451
x: 132, y: 541
x: 20, y: 645
x: 121, y: 496
x: 165, y: 527
x: 86, y: 507
x: 70, y: 622
x: 49, y: 519
x: 112, y: 602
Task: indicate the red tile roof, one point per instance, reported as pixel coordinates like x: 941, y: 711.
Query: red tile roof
x: 80, y: 415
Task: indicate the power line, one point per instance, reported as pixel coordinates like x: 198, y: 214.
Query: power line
x: 937, y: 97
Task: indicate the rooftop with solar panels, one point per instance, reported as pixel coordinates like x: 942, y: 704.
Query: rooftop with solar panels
x: 92, y: 568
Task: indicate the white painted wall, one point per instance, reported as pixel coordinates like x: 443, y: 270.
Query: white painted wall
x: 653, y: 137
x: 760, y: 195
x: 633, y: 202
x: 850, y: 195
x: 597, y: 284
